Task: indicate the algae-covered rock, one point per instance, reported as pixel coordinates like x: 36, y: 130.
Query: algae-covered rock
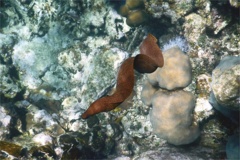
x: 194, y: 27
x: 42, y: 152
x: 77, y: 145
x: 4, y: 122
x: 9, y: 87
x: 172, y: 153
x: 99, y: 74
x: 42, y: 139
x: 39, y: 120
x: 226, y: 82
x: 12, y: 149
x: 235, y: 3
x: 33, y: 58
x: 226, y: 111
x: 213, y: 135
x: 57, y: 57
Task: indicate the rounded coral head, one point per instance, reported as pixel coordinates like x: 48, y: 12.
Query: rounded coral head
x: 135, y: 4
x: 123, y: 11
x: 136, y: 18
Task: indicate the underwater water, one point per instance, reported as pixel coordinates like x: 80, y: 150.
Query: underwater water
x: 119, y: 79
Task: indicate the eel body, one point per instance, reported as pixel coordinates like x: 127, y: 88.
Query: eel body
x: 149, y: 59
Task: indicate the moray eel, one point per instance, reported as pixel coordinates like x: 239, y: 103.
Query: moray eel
x: 149, y: 59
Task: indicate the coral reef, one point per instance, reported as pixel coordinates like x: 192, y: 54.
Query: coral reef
x: 231, y: 114
x: 176, y: 72
x: 226, y: 82
x: 149, y: 59
x: 5, y: 122
x: 123, y: 90
x: 9, y: 86
x: 225, y: 87
x: 57, y: 57
x: 171, y: 115
x: 234, y: 3
x: 172, y: 118
x: 134, y: 11
x: 135, y: 18
x: 170, y: 153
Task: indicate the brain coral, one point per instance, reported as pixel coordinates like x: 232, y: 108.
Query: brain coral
x: 176, y: 72
x: 172, y: 118
x: 134, y: 11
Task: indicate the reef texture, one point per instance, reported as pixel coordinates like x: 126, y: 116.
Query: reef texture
x: 225, y: 87
x: 176, y: 73
x: 57, y: 57
x: 226, y: 82
x: 134, y: 12
x: 149, y: 59
x: 172, y: 108
x: 172, y: 117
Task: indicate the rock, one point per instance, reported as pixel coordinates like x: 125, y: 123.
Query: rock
x: 171, y: 153
x: 138, y: 127
x: 176, y: 72
x: 59, y: 56
x: 42, y: 139
x: 226, y: 82
x: 34, y: 57
x: 194, y: 27
x: 9, y: 87
x: 203, y: 109
x: 76, y: 145
x: 231, y: 114
x: 98, y: 76
x: 4, y: 122
x: 11, y: 150
x: 171, y: 117
x: 42, y: 152
x: 39, y: 120
x: 220, y: 19
x: 69, y: 115
x: 174, y: 10
x: 235, y: 3
x: 213, y: 135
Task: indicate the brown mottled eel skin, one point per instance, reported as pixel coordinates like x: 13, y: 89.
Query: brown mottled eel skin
x: 149, y: 59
